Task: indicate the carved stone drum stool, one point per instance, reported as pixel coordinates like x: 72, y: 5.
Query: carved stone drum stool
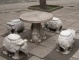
x: 15, y: 26
x: 14, y: 43
x: 65, y: 41
x: 54, y: 24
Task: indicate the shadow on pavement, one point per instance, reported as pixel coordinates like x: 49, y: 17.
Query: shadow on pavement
x: 54, y: 55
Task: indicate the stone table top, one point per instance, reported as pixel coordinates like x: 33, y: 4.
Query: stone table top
x: 36, y: 17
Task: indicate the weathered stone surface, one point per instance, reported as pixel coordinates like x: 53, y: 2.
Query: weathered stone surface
x: 14, y: 43
x: 66, y: 40
x: 75, y: 25
x: 74, y: 28
x: 15, y: 26
x: 76, y: 55
x: 35, y: 58
x: 77, y: 36
x: 50, y: 43
x: 1, y: 41
x: 31, y: 45
x: 71, y: 20
x: 73, y: 58
x: 1, y: 58
x: 66, y: 24
x: 55, y: 23
x: 40, y: 51
x: 36, y: 17
x: 3, y: 29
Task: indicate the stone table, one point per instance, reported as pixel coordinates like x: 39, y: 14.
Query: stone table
x: 36, y: 18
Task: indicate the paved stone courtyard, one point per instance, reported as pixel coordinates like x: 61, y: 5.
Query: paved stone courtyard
x: 46, y: 49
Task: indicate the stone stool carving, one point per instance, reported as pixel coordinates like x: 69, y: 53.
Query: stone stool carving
x: 65, y: 41
x: 54, y: 24
x: 14, y: 43
x: 15, y: 26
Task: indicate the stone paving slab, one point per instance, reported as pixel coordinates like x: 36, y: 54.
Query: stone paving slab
x: 31, y: 45
x: 77, y: 35
x: 16, y: 6
x: 1, y: 41
x: 50, y: 43
x: 3, y: 29
x: 66, y: 24
x: 73, y: 59
x: 74, y: 28
x: 72, y: 20
x: 75, y: 25
x: 2, y: 58
x: 76, y: 55
x: 35, y: 58
x: 40, y: 51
